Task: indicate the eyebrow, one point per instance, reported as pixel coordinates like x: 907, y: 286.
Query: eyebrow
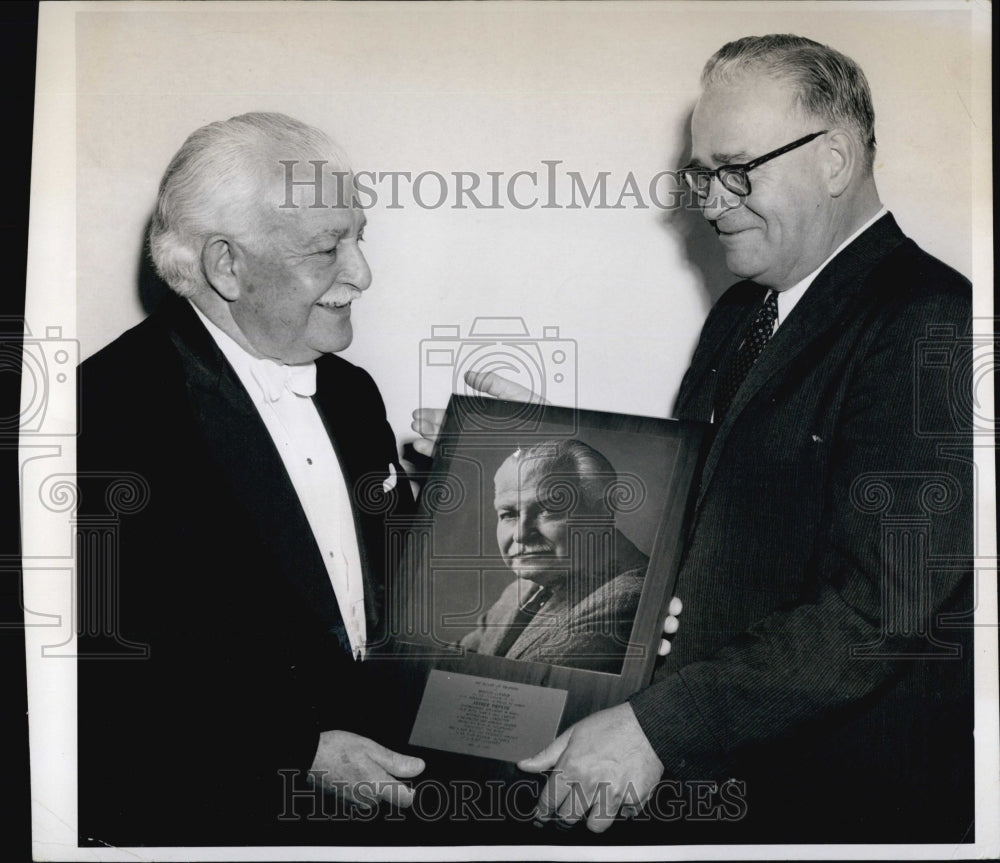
x: 732, y: 158
x: 333, y: 234
x: 321, y: 240
x: 721, y: 159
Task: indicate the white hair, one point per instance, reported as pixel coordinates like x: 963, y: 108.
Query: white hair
x: 567, y: 460
x: 216, y: 182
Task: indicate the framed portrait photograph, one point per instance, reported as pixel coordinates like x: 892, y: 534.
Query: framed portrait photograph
x: 535, y: 579
x: 741, y: 253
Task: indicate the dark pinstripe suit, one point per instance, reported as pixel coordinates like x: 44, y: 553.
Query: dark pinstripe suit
x: 832, y: 527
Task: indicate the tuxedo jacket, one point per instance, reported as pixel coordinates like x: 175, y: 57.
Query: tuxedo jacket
x: 212, y: 650
x: 579, y: 627
x: 824, y: 655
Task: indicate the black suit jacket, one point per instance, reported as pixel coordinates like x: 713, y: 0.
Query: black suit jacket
x: 212, y: 648
x: 829, y: 542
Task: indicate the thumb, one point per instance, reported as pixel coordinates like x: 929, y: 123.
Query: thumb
x: 395, y: 763
x: 424, y: 447
x: 547, y: 758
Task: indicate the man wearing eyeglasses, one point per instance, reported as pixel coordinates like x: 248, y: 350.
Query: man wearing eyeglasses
x: 825, y: 658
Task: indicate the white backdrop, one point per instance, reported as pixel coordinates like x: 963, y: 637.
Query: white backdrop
x: 423, y: 87
x: 597, y: 87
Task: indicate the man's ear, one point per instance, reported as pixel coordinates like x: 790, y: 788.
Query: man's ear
x: 842, y: 160
x: 218, y: 263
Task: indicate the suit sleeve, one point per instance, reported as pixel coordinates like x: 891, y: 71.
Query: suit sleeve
x: 867, y: 612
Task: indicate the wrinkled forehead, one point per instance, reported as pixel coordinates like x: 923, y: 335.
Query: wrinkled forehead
x: 739, y: 119
x: 308, y: 182
x: 518, y: 474
x: 308, y: 200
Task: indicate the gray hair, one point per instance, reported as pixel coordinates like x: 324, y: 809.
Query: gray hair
x: 217, y: 179
x: 573, y: 461
x: 830, y: 85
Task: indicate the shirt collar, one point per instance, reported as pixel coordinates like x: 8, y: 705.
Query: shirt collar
x: 266, y: 379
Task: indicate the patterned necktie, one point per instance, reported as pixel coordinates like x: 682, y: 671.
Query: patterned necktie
x: 746, y: 355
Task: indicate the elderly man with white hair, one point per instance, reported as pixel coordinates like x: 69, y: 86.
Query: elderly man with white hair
x: 224, y: 629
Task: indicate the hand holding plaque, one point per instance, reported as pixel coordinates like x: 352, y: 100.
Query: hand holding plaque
x: 600, y: 765
x: 362, y: 771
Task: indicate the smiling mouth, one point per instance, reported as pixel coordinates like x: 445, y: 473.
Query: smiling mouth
x: 336, y: 307
x: 731, y: 233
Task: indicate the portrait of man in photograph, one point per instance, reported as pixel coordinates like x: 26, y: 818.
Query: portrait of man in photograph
x: 577, y: 578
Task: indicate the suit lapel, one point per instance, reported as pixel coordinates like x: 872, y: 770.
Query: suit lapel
x: 248, y: 461
x: 833, y: 294
x: 696, y: 398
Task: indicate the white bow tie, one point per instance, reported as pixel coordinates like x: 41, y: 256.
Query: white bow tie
x: 276, y: 379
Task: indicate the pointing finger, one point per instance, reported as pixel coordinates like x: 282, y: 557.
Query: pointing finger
x: 494, y: 385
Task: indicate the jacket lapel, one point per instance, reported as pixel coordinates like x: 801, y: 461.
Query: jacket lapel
x: 696, y: 398
x: 833, y: 294
x: 241, y: 447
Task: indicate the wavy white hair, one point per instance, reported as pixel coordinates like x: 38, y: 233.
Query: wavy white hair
x: 217, y: 182
x: 568, y: 459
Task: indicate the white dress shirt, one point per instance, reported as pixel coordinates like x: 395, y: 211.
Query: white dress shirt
x: 282, y: 396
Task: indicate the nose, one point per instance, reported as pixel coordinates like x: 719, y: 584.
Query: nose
x: 354, y: 269
x: 525, y: 528
x: 719, y: 201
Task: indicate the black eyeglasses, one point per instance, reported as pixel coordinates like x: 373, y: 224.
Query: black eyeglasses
x: 734, y: 178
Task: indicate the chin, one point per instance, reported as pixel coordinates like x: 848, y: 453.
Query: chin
x: 738, y: 265
x: 745, y: 264
x: 333, y: 343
